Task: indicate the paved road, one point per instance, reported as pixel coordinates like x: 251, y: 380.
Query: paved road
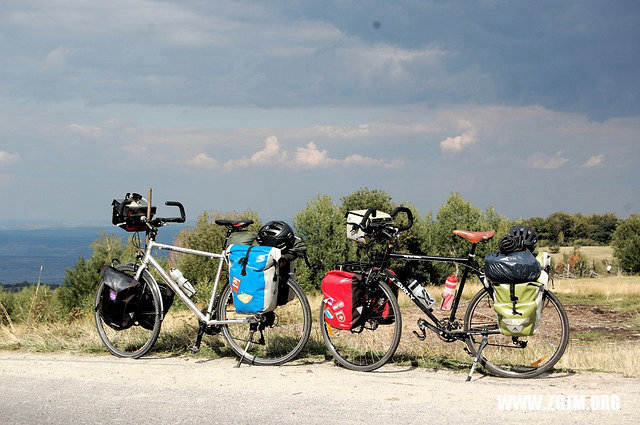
x: 84, y: 389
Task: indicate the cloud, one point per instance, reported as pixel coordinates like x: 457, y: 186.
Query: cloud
x: 305, y: 157
x: 202, y: 160
x: 57, y: 58
x: 84, y: 130
x: 595, y: 161
x: 311, y: 157
x: 541, y: 161
x: 270, y: 154
x: 458, y: 143
x: 8, y: 157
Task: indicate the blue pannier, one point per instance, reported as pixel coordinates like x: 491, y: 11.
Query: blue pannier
x: 253, y: 277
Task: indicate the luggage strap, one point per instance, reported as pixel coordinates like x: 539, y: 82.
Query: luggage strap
x: 514, y: 299
x: 244, y: 262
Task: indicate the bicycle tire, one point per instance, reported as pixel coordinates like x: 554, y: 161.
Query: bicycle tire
x: 135, y: 341
x: 371, y: 347
x: 283, y: 340
x: 542, y: 351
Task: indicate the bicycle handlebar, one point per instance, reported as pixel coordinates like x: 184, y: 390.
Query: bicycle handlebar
x: 181, y: 219
x: 409, y: 214
x: 366, y: 217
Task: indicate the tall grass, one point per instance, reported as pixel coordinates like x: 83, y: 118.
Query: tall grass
x: 32, y: 323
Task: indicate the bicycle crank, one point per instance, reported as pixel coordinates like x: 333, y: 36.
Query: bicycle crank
x: 422, y: 326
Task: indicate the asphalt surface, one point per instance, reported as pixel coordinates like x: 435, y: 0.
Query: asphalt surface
x: 101, y: 389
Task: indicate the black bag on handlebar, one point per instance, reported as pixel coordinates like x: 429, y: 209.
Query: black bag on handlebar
x: 130, y: 213
x: 119, y: 298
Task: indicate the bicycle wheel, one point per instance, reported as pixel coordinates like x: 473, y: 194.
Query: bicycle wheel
x: 279, y: 335
x: 370, y: 345
x: 135, y: 341
x: 521, y: 357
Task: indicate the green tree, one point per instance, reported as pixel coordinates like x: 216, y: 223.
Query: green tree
x: 457, y: 213
x: 77, y: 292
x: 321, y: 225
x: 559, y: 225
x: 626, y: 243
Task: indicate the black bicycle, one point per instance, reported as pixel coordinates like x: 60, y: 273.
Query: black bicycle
x: 374, y: 340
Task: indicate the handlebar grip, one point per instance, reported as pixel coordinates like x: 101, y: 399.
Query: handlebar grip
x: 183, y: 216
x: 409, y: 214
x: 366, y: 217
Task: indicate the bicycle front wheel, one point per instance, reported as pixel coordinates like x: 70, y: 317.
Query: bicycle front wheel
x: 518, y: 357
x: 137, y: 340
x: 371, y: 344
x: 279, y: 335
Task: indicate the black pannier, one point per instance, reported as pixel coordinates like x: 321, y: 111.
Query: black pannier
x: 515, y: 267
x: 287, y: 269
x: 119, y: 298
x: 144, y: 313
x: 130, y: 213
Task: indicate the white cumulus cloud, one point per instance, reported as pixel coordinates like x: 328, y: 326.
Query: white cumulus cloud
x: 202, y: 160
x: 84, y: 130
x: 541, y: 161
x: 310, y: 157
x: 458, y: 143
x: 594, y: 162
x: 304, y: 157
x: 8, y: 157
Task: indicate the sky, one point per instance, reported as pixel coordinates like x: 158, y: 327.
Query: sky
x: 529, y: 107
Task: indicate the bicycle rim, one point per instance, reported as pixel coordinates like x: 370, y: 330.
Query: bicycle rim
x: 504, y: 358
x: 135, y: 341
x: 371, y: 345
x: 282, y: 336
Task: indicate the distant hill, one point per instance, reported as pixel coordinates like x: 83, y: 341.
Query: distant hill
x: 57, y: 249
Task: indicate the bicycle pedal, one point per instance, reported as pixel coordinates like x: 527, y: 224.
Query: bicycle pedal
x: 466, y: 350
x: 420, y: 337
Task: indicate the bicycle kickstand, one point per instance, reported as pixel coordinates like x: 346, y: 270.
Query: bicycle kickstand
x: 252, y: 330
x: 483, y: 344
x: 196, y: 347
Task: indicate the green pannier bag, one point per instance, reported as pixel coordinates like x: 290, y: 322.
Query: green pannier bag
x: 518, y: 316
x: 243, y: 237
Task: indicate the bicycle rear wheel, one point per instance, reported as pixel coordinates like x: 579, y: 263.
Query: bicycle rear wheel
x: 280, y: 335
x: 135, y: 341
x: 370, y: 345
x: 521, y: 357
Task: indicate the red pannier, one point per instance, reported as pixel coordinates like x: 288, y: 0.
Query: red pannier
x: 342, y: 293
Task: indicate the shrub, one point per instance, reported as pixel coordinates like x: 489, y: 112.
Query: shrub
x: 626, y: 244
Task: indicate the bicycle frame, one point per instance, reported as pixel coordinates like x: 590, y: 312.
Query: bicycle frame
x: 206, y: 319
x: 467, y: 262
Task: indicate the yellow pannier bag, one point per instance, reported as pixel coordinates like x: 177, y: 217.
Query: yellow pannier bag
x: 519, y: 307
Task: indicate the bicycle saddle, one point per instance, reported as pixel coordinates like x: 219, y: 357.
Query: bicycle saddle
x: 475, y: 237
x: 237, y: 224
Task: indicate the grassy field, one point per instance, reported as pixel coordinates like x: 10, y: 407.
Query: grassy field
x: 604, y: 315
x: 594, y: 253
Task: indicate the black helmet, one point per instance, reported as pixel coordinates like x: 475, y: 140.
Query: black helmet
x: 528, y: 235
x: 277, y: 234
x: 509, y: 244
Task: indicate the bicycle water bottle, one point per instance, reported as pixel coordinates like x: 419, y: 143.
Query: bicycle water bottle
x: 182, y: 282
x: 449, y: 293
x: 421, y: 294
